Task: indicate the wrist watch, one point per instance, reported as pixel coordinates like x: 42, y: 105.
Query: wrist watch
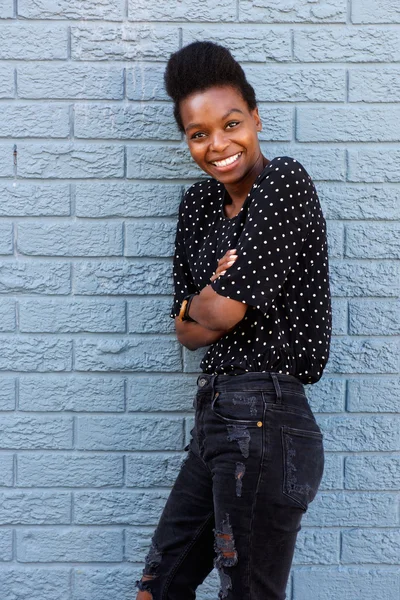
x: 184, y: 311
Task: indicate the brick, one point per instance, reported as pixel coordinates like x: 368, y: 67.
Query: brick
x: 366, y: 546
x: 29, y: 353
x: 144, y: 470
x: 363, y: 356
x: 126, y: 122
x: 129, y: 433
x: 253, y: 44
x: 168, y: 10
x: 366, y: 165
x: 320, y: 162
x: 19, y: 507
x: 116, y: 507
x: 68, y: 160
x: 105, y: 583
x: 151, y: 238
x: 383, y: 11
x: 335, y: 236
x: 69, y: 470
x: 112, y: 10
x: 144, y: 81
x: 192, y: 359
x: 349, y: 509
x: 35, y: 278
x: 26, y: 200
x: 355, y: 433
x: 333, y: 471
x: 71, y: 545
x: 297, y: 84
x: 6, y: 545
x: 317, y: 547
x: 33, y: 41
x: 86, y: 82
x: 339, y: 317
x: 277, y: 123
x: 6, y: 475
x: 352, y: 201
x: 6, y: 160
x: 6, y: 9
x: 377, y: 240
x: 341, y: 582
x: 364, y: 278
x: 178, y: 392
x: 122, y: 199
x: 119, y: 278
x: 7, y: 313
x: 374, y: 84
x: 138, y: 542
x: 147, y: 315
x: 7, y: 393
x: 327, y: 395
x: 126, y: 42
x: 6, y: 238
x: 35, y: 121
x: 373, y: 394
x: 71, y: 393
x: 161, y: 162
x: 342, y: 124
x: 34, y: 583
x: 127, y: 354
x: 374, y: 317
x: 70, y: 239
x: 372, y: 472
x: 322, y: 11
x: 72, y: 316
x: 6, y: 80
x: 21, y: 431
x: 347, y: 44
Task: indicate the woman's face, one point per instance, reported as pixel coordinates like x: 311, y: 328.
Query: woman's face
x: 221, y: 133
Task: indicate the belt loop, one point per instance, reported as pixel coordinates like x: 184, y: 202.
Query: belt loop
x: 212, y: 381
x: 277, y: 388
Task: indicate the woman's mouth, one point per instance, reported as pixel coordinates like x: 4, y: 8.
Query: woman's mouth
x: 227, y: 163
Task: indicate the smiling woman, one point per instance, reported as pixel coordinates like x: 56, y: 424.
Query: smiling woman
x: 251, y: 282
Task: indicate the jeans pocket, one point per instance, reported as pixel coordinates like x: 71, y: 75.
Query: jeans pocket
x: 303, y: 463
x: 237, y: 407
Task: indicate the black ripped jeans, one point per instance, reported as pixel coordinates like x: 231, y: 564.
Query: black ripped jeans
x: 255, y: 462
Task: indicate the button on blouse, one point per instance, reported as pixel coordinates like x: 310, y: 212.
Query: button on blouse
x: 281, y: 273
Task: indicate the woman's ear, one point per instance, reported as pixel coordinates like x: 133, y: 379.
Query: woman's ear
x: 257, y: 118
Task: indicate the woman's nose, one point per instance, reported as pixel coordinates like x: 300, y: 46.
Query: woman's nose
x: 218, y: 142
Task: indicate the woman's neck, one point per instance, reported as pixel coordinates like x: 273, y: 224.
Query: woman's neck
x: 238, y: 192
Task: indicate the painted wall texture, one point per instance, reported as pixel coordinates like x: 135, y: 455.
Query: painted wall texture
x: 96, y: 393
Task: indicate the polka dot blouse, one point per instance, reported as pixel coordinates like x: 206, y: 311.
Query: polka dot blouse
x: 281, y: 273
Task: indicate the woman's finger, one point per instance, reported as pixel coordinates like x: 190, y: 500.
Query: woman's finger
x: 224, y: 263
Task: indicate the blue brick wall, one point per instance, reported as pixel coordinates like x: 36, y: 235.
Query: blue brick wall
x: 96, y: 393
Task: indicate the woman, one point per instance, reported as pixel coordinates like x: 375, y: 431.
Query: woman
x: 252, y: 283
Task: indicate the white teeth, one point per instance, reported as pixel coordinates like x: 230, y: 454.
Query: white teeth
x: 227, y: 161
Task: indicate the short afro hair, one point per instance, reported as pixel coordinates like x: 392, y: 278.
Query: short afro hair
x: 199, y: 66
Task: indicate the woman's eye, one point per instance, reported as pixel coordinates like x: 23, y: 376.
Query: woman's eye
x: 233, y: 123
x: 196, y: 135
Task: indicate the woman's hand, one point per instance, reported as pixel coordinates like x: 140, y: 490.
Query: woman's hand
x: 224, y: 263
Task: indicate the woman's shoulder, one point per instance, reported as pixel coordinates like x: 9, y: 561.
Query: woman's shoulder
x: 287, y: 164
x: 199, y: 191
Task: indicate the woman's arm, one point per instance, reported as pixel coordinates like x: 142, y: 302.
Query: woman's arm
x: 192, y: 335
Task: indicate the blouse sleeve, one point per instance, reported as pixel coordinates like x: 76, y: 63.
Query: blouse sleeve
x: 271, y: 239
x: 183, y: 281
